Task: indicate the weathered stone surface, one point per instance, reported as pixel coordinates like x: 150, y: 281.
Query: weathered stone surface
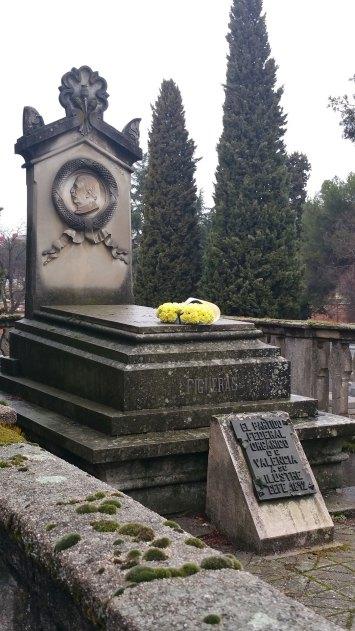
x: 39, y: 499
x: 261, y: 526
x: 78, y: 183
x: 8, y: 415
x: 243, y: 602
x: 218, y: 370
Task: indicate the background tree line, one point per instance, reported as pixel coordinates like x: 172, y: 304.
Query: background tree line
x: 261, y: 250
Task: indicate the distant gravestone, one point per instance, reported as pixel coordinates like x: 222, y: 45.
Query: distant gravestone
x: 260, y: 488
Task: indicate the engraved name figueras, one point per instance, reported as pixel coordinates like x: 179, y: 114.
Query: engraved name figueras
x: 208, y: 385
x: 273, y: 458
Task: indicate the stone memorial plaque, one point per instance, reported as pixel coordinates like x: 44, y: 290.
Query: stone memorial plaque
x: 273, y: 459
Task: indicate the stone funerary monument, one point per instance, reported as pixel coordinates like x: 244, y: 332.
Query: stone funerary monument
x: 100, y: 380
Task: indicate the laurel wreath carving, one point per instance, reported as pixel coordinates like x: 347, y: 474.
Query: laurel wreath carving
x: 78, y: 222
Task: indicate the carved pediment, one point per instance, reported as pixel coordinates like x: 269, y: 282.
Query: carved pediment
x: 83, y: 91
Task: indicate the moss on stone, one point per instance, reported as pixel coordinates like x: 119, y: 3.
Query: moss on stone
x: 173, y: 524
x: 140, y: 532
x: 155, y: 554
x: 134, y: 554
x: 4, y: 464
x: 126, y: 565
x: 117, y: 494
x: 10, y: 435
x: 110, y: 501
x: 188, y: 569
x: 108, y: 509
x: 104, y: 525
x: 117, y: 553
x: 118, y: 592
x: 68, y: 541
x: 145, y: 574
x: 95, y: 496
x: 50, y: 527
x: 18, y: 459
x: 221, y: 562
x: 86, y: 508
x: 236, y: 563
x: 194, y: 541
x: 212, y: 618
x: 118, y: 542
x: 3, y: 402
x: 163, y: 542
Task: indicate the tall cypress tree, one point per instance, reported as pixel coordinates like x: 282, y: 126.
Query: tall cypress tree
x: 298, y: 171
x: 169, y: 265
x: 250, y: 264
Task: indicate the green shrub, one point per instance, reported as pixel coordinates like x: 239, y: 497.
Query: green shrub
x: 67, y: 542
x: 50, y: 527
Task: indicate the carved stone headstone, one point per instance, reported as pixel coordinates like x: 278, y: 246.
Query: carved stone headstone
x: 260, y: 488
x: 78, y: 181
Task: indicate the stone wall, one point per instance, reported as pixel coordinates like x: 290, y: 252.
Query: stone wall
x: 74, y: 549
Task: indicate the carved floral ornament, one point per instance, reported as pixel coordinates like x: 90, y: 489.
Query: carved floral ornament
x: 85, y: 196
x: 83, y: 90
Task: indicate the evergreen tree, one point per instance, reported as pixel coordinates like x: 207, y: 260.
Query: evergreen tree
x: 298, y: 170
x: 137, y: 190
x: 250, y: 265
x: 328, y: 242
x: 169, y: 265
x: 204, y: 215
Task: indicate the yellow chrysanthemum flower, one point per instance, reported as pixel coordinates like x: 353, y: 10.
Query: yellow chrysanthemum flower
x: 197, y: 314
x: 168, y: 312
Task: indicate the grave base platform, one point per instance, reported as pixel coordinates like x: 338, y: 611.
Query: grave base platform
x: 130, y: 400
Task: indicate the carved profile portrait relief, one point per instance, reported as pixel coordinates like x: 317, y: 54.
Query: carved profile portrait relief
x: 85, y: 194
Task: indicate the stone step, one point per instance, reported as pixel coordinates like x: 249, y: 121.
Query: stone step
x: 114, y: 422
x: 118, y: 350
x: 93, y: 447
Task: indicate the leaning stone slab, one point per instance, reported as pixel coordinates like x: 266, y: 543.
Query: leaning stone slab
x: 73, y: 545
x: 264, y: 526
x: 8, y: 415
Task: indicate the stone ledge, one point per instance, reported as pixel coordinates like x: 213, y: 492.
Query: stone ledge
x: 242, y: 601
x: 39, y: 495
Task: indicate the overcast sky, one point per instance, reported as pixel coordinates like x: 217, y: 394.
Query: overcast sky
x: 135, y: 44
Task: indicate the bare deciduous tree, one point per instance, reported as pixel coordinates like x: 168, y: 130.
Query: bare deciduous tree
x: 12, y: 268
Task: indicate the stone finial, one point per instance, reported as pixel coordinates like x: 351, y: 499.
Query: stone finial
x: 131, y: 130
x: 31, y: 120
x: 83, y: 91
